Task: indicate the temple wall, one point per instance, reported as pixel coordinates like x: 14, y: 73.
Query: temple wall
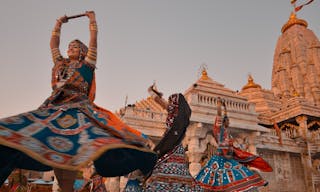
x: 288, y: 174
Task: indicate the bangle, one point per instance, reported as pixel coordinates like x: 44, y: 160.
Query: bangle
x: 92, y: 53
x: 93, y: 27
x: 92, y: 56
x: 93, y: 49
x: 55, y: 53
x: 56, y: 33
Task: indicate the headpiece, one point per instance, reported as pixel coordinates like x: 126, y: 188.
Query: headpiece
x: 83, y: 49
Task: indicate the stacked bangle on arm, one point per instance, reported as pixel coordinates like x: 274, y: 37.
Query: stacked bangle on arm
x: 56, y: 55
x: 55, y: 33
x: 93, y: 26
x: 91, y: 55
x: 57, y: 28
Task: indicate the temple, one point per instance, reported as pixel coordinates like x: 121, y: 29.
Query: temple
x: 281, y: 124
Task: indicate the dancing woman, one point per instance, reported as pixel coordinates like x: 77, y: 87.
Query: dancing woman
x: 68, y: 131
x: 171, y: 173
x: 227, y: 170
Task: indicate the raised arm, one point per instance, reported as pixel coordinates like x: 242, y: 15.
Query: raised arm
x: 157, y: 96
x: 55, y: 38
x: 91, y: 56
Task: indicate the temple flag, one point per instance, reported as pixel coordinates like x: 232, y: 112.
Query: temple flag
x: 293, y: 1
x: 298, y: 8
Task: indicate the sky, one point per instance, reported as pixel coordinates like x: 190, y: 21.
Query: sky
x: 142, y: 41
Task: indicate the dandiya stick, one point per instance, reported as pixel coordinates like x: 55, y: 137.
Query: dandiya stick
x: 76, y: 16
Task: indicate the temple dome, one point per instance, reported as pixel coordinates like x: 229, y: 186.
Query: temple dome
x: 293, y: 20
x: 251, y: 84
x: 296, y: 62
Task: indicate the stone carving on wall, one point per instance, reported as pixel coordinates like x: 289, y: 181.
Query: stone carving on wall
x: 316, y: 166
x: 282, y: 167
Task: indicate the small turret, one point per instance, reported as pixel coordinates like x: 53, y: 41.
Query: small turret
x: 251, y: 84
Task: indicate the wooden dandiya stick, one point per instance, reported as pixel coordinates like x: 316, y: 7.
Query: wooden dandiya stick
x: 76, y: 16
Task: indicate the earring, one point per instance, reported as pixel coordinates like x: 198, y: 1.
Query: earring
x: 80, y: 55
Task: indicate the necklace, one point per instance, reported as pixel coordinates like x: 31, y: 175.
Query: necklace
x: 67, y: 70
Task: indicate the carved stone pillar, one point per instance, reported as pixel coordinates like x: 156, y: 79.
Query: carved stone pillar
x: 307, y: 167
x: 194, y: 152
x: 303, y: 128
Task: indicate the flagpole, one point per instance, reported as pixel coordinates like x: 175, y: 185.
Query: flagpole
x: 293, y: 3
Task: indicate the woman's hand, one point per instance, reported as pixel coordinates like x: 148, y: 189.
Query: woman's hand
x: 91, y: 15
x: 63, y: 19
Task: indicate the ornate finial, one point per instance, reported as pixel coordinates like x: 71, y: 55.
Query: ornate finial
x: 250, y: 84
x: 204, y: 74
x: 250, y: 79
x: 295, y: 93
x: 292, y: 21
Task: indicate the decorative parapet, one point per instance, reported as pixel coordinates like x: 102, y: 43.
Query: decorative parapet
x: 232, y: 105
x: 144, y: 114
x: 147, y: 121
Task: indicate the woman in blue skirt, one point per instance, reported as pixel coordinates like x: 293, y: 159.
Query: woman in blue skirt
x: 227, y: 170
x: 68, y: 131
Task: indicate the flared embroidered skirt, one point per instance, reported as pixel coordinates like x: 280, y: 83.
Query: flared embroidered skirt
x: 69, y: 137
x: 171, y: 173
x: 221, y: 174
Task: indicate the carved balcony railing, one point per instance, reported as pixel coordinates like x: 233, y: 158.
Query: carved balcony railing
x: 288, y: 133
x: 230, y: 104
x: 145, y: 114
